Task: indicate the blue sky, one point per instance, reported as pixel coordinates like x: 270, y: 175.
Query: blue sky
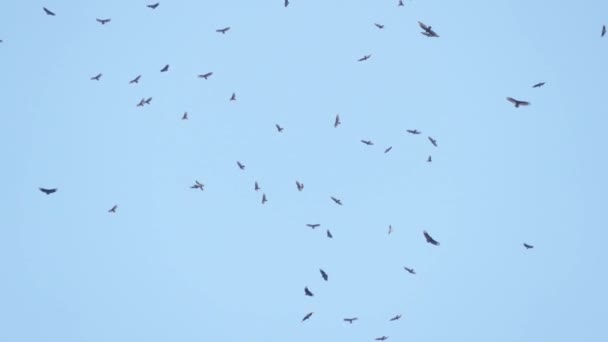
x: 178, y: 264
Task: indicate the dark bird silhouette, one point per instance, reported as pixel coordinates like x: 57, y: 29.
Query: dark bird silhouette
x: 381, y: 338
x: 329, y: 234
x: 148, y: 100
x: 367, y: 142
x: 364, y: 58
x: 135, y: 80
x: 300, y: 186
x: 395, y: 318
x: 198, y: 185
x: 313, y: 226
x: 429, y: 239
x: 113, y: 209
x: 103, y: 21
x: 379, y: 26
x: 47, y: 191
x: 517, y: 103
x: 165, y: 68
x: 538, y: 85
x: 337, y: 201
x: 233, y: 97
x: 205, y: 76
x: 603, y: 30
x: 390, y: 229
x: 241, y: 166
x: 256, y: 187
x: 286, y: 3
x: 429, y: 159
x: 413, y: 131
x: 141, y: 103
x: 323, y: 274
x: 400, y: 3
x: 388, y: 149
x: 428, y: 30
x: 307, y: 292
x: 96, y: 78
x: 337, y: 121
x: 433, y: 141
x: 185, y: 116
x: 264, y: 199
x: 307, y: 316
x: 279, y: 128
x: 153, y: 6
x: 528, y: 246
x: 47, y: 11
x: 351, y: 320
x: 410, y: 270
x: 223, y: 31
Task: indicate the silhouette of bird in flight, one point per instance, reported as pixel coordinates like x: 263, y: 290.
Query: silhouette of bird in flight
x: 307, y: 316
x: 517, y: 103
x: 379, y: 26
x: 400, y: 3
x: 307, y: 292
x: 388, y: 149
x: 367, y: 142
x: 323, y: 274
x: 410, y: 270
x: 364, y: 58
x: 48, y: 12
x: 185, y: 116
x: 390, y: 229
x: 429, y: 239
x: 198, y: 185
x: 337, y: 201
x: 395, y: 318
x: 141, y: 103
x: 433, y: 141
x: 205, y: 76
x: 413, y: 131
x: 223, y: 31
x: 96, y: 78
x: 256, y: 187
x: 135, y: 80
x: 148, y: 100
x: 165, y: 68
x: 103, y: 21
x: 47, y: 191
x: 279, y: 128
x: 286, y: 3
x: 538, y: 85
x: 528, y: 246
x: 428, y: 30
x: 264, y: 199
x: 350, y: 320
x: 381, y: 338
x: 241, y: 166
x: 153, y: 6
x: 313, y: 226
x: 337, y: 121
x: 329, y: 234
x: 429, y: 159
x: 113, y: 209
x: 603, y: 30
x: 233, y: 97
x: 300, y: 186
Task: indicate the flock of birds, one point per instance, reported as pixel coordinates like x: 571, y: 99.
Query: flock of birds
x: 427, y: 31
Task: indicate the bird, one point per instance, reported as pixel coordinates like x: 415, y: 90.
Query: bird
x: 307, y: 316
x: 429, y: 239
x: 367, y: 142
x: 313, y: 226
x: 264, y: 200
x: 141, y: 103
x: 198, y: 185
x: 337, y: 121
x: 429, y: 159
x: 307, y: 292
x: 300, y: 186
x: 153, y: 6
x: 329, y: 234
x: 410, y: 270
x: 256, y: 187
x: 48, y: 191
x: 323, y: 274
x: 96, y: 78
x: 433, y: 141
x: 185, y: 116
x: 413, y: 131
x: 47, y: 11
x: 603, y: 30
x: 517, y: 103
x: 379, y: 26
x: 337, y: 201
x: 148, y: 100
x: 390, y: 229
x: 103, y: 21
x: 388, y: 149
x: 233, y: 97
x: 428, y: 30
x: 165, y: 68
x: 135, y: 80
x: 538, y: 85
x: 364, y: 58
x: 400, y: 3
x: 381, y: 338
x: 528, y: 246
x: 205, y: 76
x: 286, y: 3
x: 395, y: 318
x: 223, y: 31
x: 279, y: 128
x: 113, y: 209
x: 241, y: 166
x: 350, y: 320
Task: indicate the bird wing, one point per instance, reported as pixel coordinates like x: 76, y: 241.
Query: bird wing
x: 423, y: 26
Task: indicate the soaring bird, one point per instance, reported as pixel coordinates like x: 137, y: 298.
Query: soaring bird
x: 603, y: 30
x: 323, y: 274
x: 400, y: 3
x: 300, y: 186
x: 223, y: 31
x: 233, y: 97
x: 364, y: 58
x: 429, y: 159
x: 96, y: 77
x: 286, y: 3
x: 148, y: 100
x: 388, y: 149
x: 313, y: 226
x: 390, y: 229
x: 141, y: 103
x: 205, y: 76
x: 48, y: 191
x: 413, y: 131
x: 517, y: 103
x: 367, y: 142
x: 329, y: 234
x: 337, y: 201
x: 395, y: 318
x: 256, y: 187
x: 429, y: 239
x: 538, y: 85
x: 381, y: 338
x: 185, y: 116
x: 428, y: 30
x: 241, y: 166
x: 351, y: 320
x: 113, y: 209
x: 279, y: 128
x: 337, y: 121
x: 135, y: 80
x: 379, y: 26
x: 528, y: 246
x: 198, y: 185
x: 264, y: 199
x: 165, y: 68
x: 153, y: 6
x: 47, y: 11
x: 307, y: 316
x: 307, y: 292
x: 433, y: 141
x: 410, y: 270
x: 103, y: 21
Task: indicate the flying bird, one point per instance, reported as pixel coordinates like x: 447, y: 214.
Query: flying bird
x: 381, y: 338
x: 364, y: 58
x: 48, y: 191
x: 367, y: 142
x: 223, y: 31
x: 185, y: 116
x: 264, y: 200
x: 538, y: 85
x: 337, y: 122
x: 241, y: 166
x: 286, y: 3
x: 135, y: 80
x: 165, y: 68
x: 205, y: 76
x: 300, y: 186
x: 96, y: 78
x: 410, y: 270
x: 307, y: 292
x: 153, y: 6
x: 113, y: 209
x: 388, y: 149
x: 603, y: 30
x: 390, y: 229
x: 256, y: 187
x: 148, y: 100
x: 103, y: 21
x: 429, y: 159
x: 351, y: 320
x: 323, y: 274
x: 307, y: 316
x: 233, y: 97
x: 47, y: 11
x: 279, y: 128
x: 400, y: 3
x: 528, y: 246
x: 141, y: 103
x: 517, y: 103
x: 428, y: 30
x: 429, y: 239
x: 379, y: 26
x: 198, y: 185
x: 337, y: 201
x: 313, y: 226
x: 329, y: 234
x: 413, y: 131
x: 433, y: 141
x: 395, y: 318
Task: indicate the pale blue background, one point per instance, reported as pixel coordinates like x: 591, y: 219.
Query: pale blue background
x: 177, y: 264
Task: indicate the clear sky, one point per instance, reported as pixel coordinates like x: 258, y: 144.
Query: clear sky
x: 177, y: 264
